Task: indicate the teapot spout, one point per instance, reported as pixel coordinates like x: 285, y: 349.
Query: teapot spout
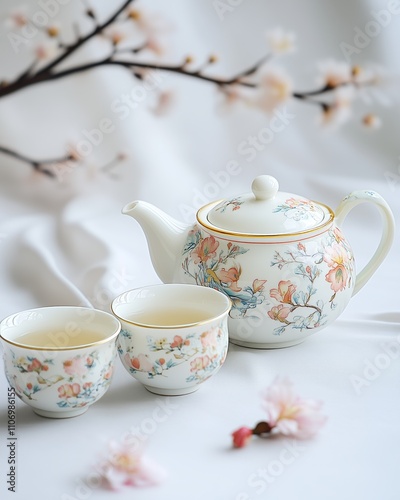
x: 165, y: 237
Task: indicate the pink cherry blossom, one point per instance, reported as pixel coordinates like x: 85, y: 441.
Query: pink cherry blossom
x: 116, y: 34
x: 337, y: 277
x: 75, y: 366
x: 338, y: 235
x: 209, y: 339
x: 69, y: 391
x: 46, y: 50
x: 335, y: 73
x: 149, y: 23
x: 372, y: 121
x: 36, y: 366
x: 335, y: 255
x: 241, y: 437
x: 258, y: 285
x: 339, y: 111
x: 275, y: 89
x: 177, y: 343
x: 126, y: 466
x: 233, y: 95
x: 199, y: 363
x: 142, y: 363
x: 280, y: 313
x: 206, y: 250
x: 18, y: 18
x: 289, y: 414
x: 164, y: 101
x: 280, y: 41
x: 154, y: 45
x: 152, y: 26
x: 284, y: 292
x: 230, y: 277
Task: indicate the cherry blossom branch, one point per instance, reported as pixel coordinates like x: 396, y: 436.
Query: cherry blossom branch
x: 27, y: 78
x: 180, y: 69
x: 278, y: 85
x: 57, y: 167
x: 23, y: 81
x: 39, y: 165
x: 70, y: 49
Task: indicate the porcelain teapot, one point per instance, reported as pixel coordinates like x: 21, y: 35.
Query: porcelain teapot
x: 282, y: 259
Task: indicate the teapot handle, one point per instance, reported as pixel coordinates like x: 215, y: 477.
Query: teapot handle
x: 348, y: 203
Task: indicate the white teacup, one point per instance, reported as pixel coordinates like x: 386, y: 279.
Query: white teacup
x: 173, y: 337
x: 59, y: 360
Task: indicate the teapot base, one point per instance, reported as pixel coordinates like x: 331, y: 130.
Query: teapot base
x: 266, y: 345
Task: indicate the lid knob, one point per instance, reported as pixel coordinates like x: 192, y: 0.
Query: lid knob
x: 265, y: 187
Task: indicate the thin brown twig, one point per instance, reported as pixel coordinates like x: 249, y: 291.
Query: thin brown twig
x: 26, y: 81
x: 90, y: 12
x: 74, y: 47
x: 250, y: 71
x: 39, y: 165
x: 64, y: 161
x: 40, y: 77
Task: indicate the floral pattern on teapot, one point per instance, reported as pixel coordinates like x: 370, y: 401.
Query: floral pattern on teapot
x: 295, y: 305
x: 298, y: 209
x: 210, y: 265
x: 291, y: 302
x: 234, y: 204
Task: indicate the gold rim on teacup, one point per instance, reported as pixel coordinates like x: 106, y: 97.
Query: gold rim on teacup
x: 118, y: 299
x: 3, y: 324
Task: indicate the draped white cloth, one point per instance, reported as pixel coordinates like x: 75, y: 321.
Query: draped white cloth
x: 64, y: 241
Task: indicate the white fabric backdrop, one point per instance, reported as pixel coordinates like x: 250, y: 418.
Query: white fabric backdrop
x: 67, y: 243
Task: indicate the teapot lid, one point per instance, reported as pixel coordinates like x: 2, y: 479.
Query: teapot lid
x: 267, y: 211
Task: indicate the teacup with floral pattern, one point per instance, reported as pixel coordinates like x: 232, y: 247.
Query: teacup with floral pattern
x: 65, y: 373
x: 173, y: 337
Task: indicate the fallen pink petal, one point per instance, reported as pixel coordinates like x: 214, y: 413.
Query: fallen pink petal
x: 125, y: 465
